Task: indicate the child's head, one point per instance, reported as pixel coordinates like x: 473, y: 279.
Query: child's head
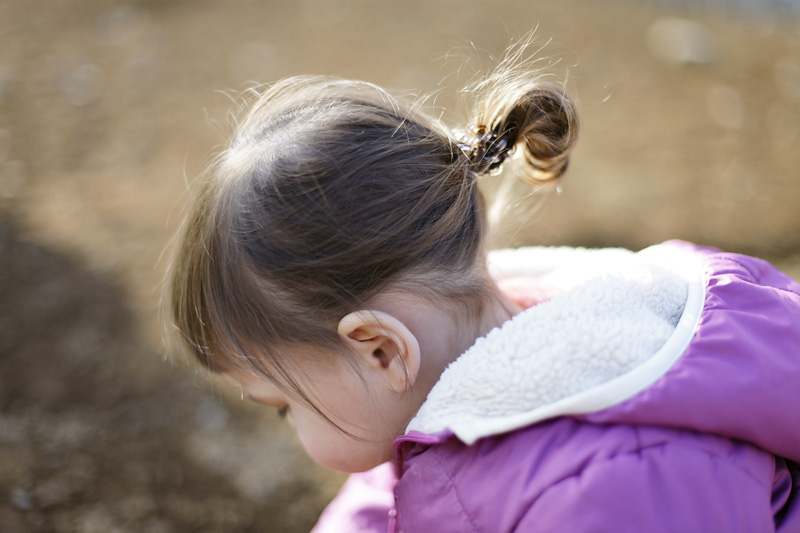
x: 330, y: 196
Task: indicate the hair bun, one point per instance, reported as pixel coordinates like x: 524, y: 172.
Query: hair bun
x: 538, y: 118
x: 545, y: 123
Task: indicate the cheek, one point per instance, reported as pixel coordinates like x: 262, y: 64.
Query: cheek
x: 333, y: 449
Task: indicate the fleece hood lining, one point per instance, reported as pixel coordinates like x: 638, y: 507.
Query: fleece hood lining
x: 622, y: 320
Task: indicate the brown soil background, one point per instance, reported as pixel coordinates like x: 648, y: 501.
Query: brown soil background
x: 108, y: 111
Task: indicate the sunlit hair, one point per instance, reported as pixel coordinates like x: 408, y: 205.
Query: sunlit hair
x: 332, y: 191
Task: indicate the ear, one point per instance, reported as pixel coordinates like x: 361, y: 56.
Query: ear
x: 385, y: 344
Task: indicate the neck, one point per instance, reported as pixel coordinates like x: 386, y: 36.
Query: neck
x: 498, y: 310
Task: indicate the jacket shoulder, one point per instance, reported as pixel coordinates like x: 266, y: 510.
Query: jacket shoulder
x: 497, y: 483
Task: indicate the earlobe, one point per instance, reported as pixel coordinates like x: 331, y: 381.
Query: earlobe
x: 385, y: 344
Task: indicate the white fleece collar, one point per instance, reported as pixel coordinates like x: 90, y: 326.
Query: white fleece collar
x: 622, y: 321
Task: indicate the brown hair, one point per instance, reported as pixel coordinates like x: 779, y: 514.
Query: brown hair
x: 331, y: 191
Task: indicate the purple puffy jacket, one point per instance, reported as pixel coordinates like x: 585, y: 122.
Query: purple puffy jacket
x: 658, y: 391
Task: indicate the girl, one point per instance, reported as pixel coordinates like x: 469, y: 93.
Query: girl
x: 334, y: 265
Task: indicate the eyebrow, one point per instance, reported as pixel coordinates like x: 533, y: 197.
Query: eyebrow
x: 258, y: 399
x: 249, y: 396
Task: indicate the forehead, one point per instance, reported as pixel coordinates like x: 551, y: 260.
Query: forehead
x: 281, y: 365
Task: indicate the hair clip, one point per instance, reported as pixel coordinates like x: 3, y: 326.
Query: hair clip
x: 484, y: 148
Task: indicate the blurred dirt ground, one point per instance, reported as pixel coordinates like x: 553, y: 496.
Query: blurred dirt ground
x: 691, y: 125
